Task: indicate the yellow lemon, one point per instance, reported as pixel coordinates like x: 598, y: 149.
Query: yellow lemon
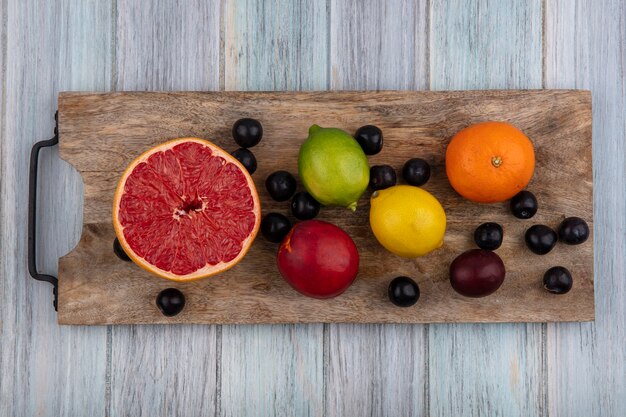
x: 407, y: 220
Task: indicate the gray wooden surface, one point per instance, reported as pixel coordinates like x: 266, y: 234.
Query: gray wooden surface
x: 474, y: 45
x: 564, y: 369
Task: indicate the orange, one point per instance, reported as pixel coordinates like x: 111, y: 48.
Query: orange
x: 490, y: 162
x: 185, y: 210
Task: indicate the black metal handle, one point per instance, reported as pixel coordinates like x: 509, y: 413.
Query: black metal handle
x: 32, y: 215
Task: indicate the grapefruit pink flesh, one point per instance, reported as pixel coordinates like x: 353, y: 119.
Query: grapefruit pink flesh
x: 186, y: 210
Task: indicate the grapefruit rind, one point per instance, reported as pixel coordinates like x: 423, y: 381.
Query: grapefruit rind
x: 208, y: 270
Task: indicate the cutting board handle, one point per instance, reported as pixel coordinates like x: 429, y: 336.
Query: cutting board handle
x: 32, y: 213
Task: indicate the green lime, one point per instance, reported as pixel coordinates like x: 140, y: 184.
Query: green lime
x: 333, y: 167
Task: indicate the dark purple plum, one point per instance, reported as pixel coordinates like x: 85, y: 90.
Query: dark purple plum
x: 477, y: 273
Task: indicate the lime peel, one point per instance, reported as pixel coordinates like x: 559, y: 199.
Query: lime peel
x: 333, y: 167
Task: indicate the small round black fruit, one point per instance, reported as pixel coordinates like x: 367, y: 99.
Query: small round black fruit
x: 381, y: 177
x: 246, y: 158
x: 275, y: 227
x: 370, y: 138
x: 557, y: 280
x: 119, y: 251
x: 573, y: 231
x: 416, y: 172
x: 488, y: 236
x: 281, y: 185
x: 524, y: 205
x: 247, y: 132
x: 540, y: 239
x: 403, y: 291
x: 170, y: 301
x: 304, y: 206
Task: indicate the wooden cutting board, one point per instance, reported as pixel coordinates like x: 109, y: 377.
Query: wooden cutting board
x: 101, y: 133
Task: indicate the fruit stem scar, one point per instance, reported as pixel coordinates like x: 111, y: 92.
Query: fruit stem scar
x: 287, y: 242
x: 496, y: 161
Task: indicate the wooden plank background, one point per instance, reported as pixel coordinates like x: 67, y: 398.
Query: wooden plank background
x: 378, y: 370
x: 474, y: 45
x: 155, y: 370
x: 556, y: 369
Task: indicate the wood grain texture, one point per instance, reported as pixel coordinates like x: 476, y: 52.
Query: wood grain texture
x: 378, y: 45
x: 378, y: 369
x: 485, y: 44
x: 490, y: 44
x: 63, y: 44
x: 168, y: 46
x: 273, y: 45
x: 157, y: 370
x: 50, y: 46
x: 586, y: 363
x: 163, y: 370
x: 252, y: 291
x: 486, y: 370
x: 272, y: 370
x: 3, y: 186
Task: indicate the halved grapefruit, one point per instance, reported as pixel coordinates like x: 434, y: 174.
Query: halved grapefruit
x: 186, y: 210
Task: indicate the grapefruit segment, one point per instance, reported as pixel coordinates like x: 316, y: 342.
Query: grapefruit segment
x: 186, y: 210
